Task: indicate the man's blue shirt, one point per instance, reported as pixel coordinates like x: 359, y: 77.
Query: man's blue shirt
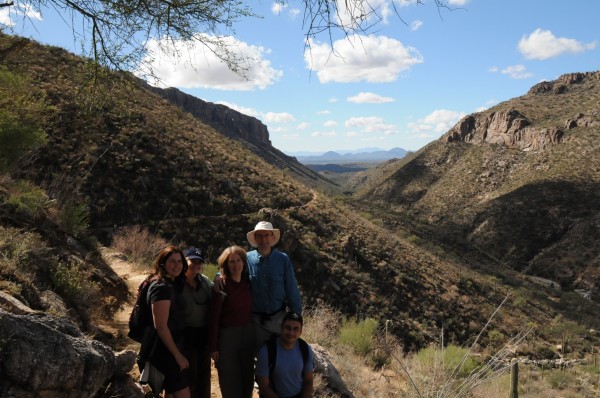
x: 289, y: 368
x: 273, y: 283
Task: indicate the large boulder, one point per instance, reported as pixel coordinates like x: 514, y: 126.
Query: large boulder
x: 46, y: 356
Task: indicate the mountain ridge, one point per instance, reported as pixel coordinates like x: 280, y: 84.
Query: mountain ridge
x: 244, y: 128
x: 517, y: 181
x: 345, y: 158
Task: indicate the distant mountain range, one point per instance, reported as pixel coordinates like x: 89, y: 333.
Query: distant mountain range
x: 370, y: 155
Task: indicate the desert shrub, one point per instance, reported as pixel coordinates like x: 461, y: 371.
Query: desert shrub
x: 138, y: 244
x: 358, y: 334
x: 451, y: 359
x: 560, y: 380
x: 19, y: 119
x: 321, y: 324
x: 495, y: 338
x: 74, y: 219
x: 74, y: 284
x: 28, y: 198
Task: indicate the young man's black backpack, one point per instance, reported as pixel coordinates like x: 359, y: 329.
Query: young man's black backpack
x: 272, y: 355
x: 141, y: 314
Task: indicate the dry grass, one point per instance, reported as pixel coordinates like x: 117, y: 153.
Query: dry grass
x: 138, y: 244
x: 440, y: 370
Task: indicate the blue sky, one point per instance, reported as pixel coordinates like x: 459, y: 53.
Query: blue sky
x: 403, y: 85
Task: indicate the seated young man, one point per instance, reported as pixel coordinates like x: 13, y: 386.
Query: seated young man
x: 284, y: 367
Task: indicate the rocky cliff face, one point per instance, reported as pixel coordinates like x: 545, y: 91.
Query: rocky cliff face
x: 227, y: 121
x: 244, y: 128
x: 512, y: 128
x: 509, y: 128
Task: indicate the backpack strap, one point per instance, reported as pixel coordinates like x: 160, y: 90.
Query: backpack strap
x: 304, y: 350
x: 272, y: 355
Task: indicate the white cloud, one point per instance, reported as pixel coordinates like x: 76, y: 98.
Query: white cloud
x: 323, y: 134
x: 415, y: 25
x: 488, y: 104
x: 369, y: 98
x: 23, y: 11
x: 5, y: 18
x: 283, y: 117
x: 332, y: 100
x: 457, y: 2
x: 241, y: 109
x: 303, y: 126
x: 517, y: 72
x: 193, y: 65
x: 542, y: 44
x: 438, y: 121
x: 324, y: 112
x: 371, y: 125
x: 330, y: 123
x: 278, y: 129
x: 276, y: 8
x: 374, y: 59
x: 267, y: 118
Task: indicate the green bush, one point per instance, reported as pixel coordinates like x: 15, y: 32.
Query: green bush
x: 560, y: 380
x: 210, y: 270
x: 358, y: 334
x: 20, y: 115
x: 453, y: 360
x: 28, y: 198
x: 74, y: 219
x: 74, y: 284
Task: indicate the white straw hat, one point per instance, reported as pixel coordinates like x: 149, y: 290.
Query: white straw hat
x: 263, y: 226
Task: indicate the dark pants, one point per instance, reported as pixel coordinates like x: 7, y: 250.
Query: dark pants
x: 196, y: 351
x: 236, y: 361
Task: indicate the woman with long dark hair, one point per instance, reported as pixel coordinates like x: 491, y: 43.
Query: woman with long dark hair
x: 164, y: 296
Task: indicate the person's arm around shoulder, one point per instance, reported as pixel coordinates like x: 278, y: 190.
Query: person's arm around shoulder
x: 160, y: 314
x: 262, y: 374
x: 219, y: 283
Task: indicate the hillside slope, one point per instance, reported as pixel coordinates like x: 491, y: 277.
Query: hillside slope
x: 519, y: 182
x: 249, y: 130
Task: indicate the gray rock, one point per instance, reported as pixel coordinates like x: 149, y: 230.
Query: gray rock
x: 45, y: 356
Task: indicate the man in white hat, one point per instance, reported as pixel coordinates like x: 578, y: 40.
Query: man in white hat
x: 272, y: 281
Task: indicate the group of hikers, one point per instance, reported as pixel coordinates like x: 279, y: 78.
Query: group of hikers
x: 248, y: 321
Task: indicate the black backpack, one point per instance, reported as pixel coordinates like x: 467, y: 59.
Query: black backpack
x: 141, y: 314
x: 272, y: 355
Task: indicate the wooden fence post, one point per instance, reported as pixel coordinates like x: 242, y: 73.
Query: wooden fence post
x: 514, y: 379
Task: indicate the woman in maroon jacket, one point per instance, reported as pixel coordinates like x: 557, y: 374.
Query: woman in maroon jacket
x: 231, y: 333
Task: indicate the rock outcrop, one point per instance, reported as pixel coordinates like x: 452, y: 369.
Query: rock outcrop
x: 238, y: 126
x: 229, y: 122
x: 509, y: 128
x: 561, y: 85
x: 43, y: 355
